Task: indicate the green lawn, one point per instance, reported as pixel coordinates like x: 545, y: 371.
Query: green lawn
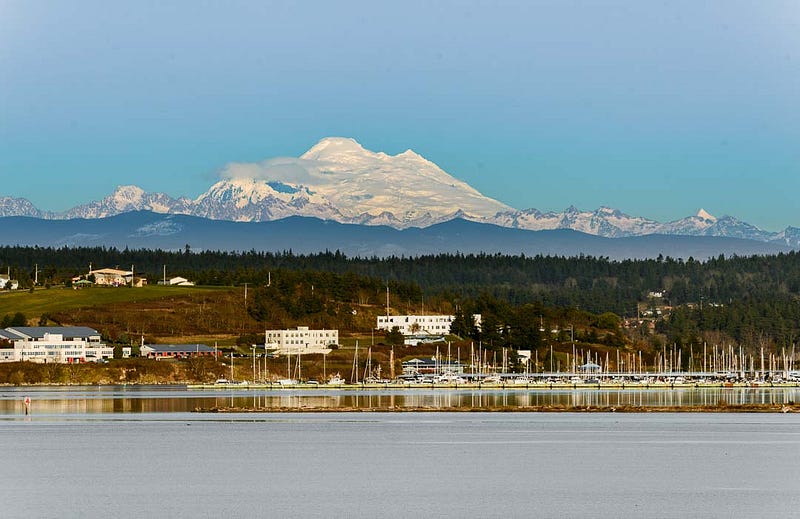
x: 61, y: 299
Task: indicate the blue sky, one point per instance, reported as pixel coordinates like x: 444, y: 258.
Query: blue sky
x: 654, y: 108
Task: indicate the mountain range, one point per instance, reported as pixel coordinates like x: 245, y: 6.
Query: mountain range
x: 148, y: 230
x: 338, y: 180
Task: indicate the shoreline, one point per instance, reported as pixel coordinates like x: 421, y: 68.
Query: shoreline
x: 740, y: 408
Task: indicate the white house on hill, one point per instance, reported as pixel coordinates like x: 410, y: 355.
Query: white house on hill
x: 111, y: 277
x: 179, y: 281
x: 6, y: 282
x: 116, y: 278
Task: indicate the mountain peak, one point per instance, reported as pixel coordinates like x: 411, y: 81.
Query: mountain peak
x: 702, y: 213
x: 330, y: 146
x: 128, y: 192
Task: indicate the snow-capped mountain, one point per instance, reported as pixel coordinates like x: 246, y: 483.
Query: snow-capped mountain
x: 125, y: 199
x: 10, y: 206
x: 612, y: 223
x: 605, y: 221
x: 338, y: 179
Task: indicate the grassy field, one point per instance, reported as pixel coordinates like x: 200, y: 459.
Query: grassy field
x: 60, y: 299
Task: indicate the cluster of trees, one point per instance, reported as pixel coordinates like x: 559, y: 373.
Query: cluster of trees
x: 17, y: 319
x: 533, y: 325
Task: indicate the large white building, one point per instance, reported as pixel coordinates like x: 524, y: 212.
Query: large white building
x: 58, y: 344
x: 420, y: 324
x: 300, y: 341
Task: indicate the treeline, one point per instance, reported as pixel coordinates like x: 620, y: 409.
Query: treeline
x: 743, y: 298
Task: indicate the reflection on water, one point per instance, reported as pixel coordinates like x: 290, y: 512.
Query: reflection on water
x: 173, y: 399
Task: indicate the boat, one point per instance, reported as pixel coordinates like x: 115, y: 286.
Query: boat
x: 336, y: 380
x: 450, y: 378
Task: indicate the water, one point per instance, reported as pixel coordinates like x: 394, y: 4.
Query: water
x: 171, y: 399
x: 92, y: 455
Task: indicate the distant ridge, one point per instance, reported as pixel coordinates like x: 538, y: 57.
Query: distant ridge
x: 337, y: 179
x: 144, y: 229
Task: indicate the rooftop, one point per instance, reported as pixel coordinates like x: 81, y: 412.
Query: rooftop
x: 38, y: 332
x: 180, y: 348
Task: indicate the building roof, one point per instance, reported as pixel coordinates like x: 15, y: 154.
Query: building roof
x: 113, y: 272
x: 180, y: 348
x: 6, y: 334
x: 38, y: 332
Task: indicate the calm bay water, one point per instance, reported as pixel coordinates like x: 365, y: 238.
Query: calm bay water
x: 79, y: 461
x: 170, y: 399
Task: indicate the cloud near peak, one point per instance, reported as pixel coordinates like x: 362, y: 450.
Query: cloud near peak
x: 287, y: 170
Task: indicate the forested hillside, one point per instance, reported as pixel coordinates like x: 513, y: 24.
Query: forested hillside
x: 752, y: 300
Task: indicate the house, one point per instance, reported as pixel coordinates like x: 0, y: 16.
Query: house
x: 178, y: 281
x: 7, y: 283
x: 420, y: 324
x: 59, y: 344
x: 176, y: 351
x: 300, y: 341
x: 116, y: 278
x: 111, y: 277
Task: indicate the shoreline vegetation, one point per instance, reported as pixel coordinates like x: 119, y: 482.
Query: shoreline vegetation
x: 719, y: 408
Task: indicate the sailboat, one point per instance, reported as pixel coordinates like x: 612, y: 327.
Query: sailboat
x: 354, y: 373
x: 289, y: 381
x: 372, y: 376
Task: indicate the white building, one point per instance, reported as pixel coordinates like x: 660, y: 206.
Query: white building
x: 420, y: 324
x: 178, y: 281
x: 7, y: 282
x: 59, y: 344
x: 300, y: 341
x: 111, y: 277
x: 116, y: 278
